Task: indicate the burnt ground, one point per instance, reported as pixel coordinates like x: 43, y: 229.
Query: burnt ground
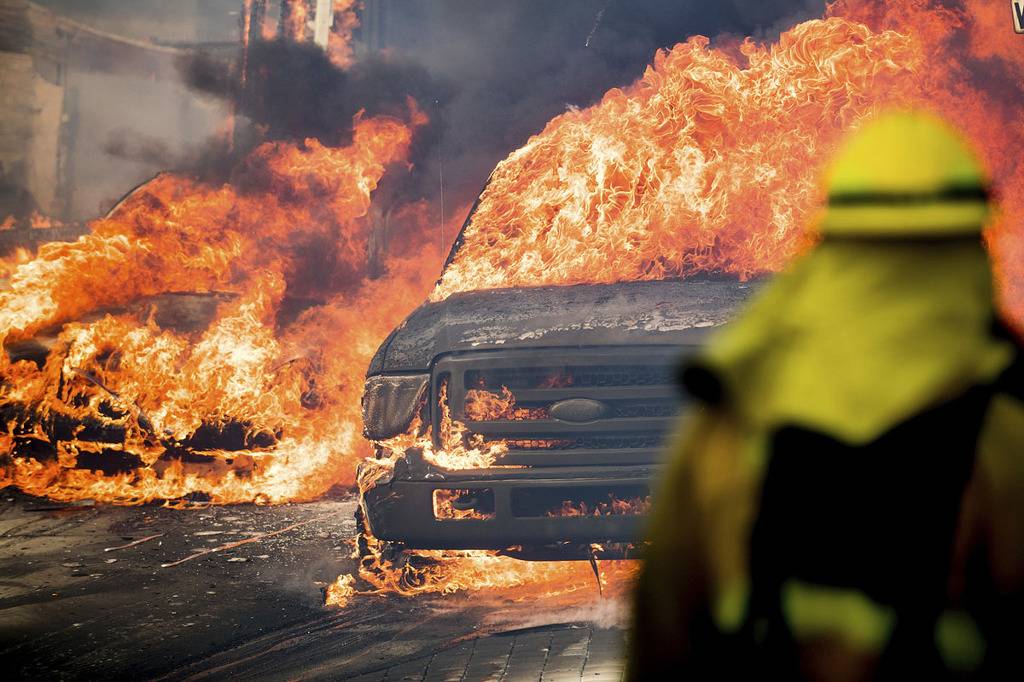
x: 75, y: 603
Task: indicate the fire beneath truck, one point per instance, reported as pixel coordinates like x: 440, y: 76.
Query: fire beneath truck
x: 708, y: 163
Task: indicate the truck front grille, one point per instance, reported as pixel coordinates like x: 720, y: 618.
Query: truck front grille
x: 510, y: 396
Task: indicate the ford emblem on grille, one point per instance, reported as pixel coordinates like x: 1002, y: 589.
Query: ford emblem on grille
x: 578, y: 410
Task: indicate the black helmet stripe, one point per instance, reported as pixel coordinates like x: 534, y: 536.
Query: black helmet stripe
x: 975, y: 193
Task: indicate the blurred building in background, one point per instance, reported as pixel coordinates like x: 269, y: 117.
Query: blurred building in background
x: 95, y: 103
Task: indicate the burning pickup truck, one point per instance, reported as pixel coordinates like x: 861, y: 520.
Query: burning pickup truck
x: 573, y: 387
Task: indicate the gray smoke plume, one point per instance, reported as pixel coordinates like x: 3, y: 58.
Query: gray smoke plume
x: 489, y: 75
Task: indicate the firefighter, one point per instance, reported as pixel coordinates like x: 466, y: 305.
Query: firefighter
x: 848, y: 501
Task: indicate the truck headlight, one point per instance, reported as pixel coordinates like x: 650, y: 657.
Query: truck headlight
x: 390, y: 402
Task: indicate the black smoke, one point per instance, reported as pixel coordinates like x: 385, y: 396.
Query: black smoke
x: 515, y: 65
x: 489, y: 75
x: 292, y: 91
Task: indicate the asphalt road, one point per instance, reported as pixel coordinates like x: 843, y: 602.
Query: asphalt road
x: 96, y: 592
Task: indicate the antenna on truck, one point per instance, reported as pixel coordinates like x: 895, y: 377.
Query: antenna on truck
x: 440, y: 179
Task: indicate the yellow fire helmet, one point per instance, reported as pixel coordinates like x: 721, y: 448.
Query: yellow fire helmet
x: 905, y: 175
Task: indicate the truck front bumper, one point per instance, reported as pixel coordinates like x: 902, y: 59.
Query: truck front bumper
x: 520, y: 506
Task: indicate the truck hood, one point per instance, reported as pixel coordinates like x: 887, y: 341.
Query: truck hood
x: 625, y: 313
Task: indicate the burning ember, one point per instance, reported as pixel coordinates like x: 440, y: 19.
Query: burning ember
x: 483, y: 405
x: 613, y: 507
x: 459, y: 448
x: 461, y: 504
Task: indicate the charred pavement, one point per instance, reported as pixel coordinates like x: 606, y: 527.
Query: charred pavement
x: 94, y: 592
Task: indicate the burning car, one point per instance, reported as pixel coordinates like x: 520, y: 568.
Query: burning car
x: 569, y: 392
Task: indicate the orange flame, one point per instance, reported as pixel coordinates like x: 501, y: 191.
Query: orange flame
x: 444, y: 503
x: 339, y: 41
x: 702, y: 165
x: 295, y: 15
x: 956, y: 44
x: 483, y: 405
x: 10, y: 263
x: 449, y: 572
x: 38, y: 221
x: 710, y: 162
x: 290, y: 391
x: 459, y: 449
x: 613, y: 507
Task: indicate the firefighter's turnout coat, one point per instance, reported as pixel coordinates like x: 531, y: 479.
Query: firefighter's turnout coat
x: 848, y: 499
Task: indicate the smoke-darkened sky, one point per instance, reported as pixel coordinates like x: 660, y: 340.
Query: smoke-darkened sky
x: 505, y: 68
x: 489, y: 74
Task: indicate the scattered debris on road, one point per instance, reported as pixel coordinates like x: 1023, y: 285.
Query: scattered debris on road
x: 133, y: 543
